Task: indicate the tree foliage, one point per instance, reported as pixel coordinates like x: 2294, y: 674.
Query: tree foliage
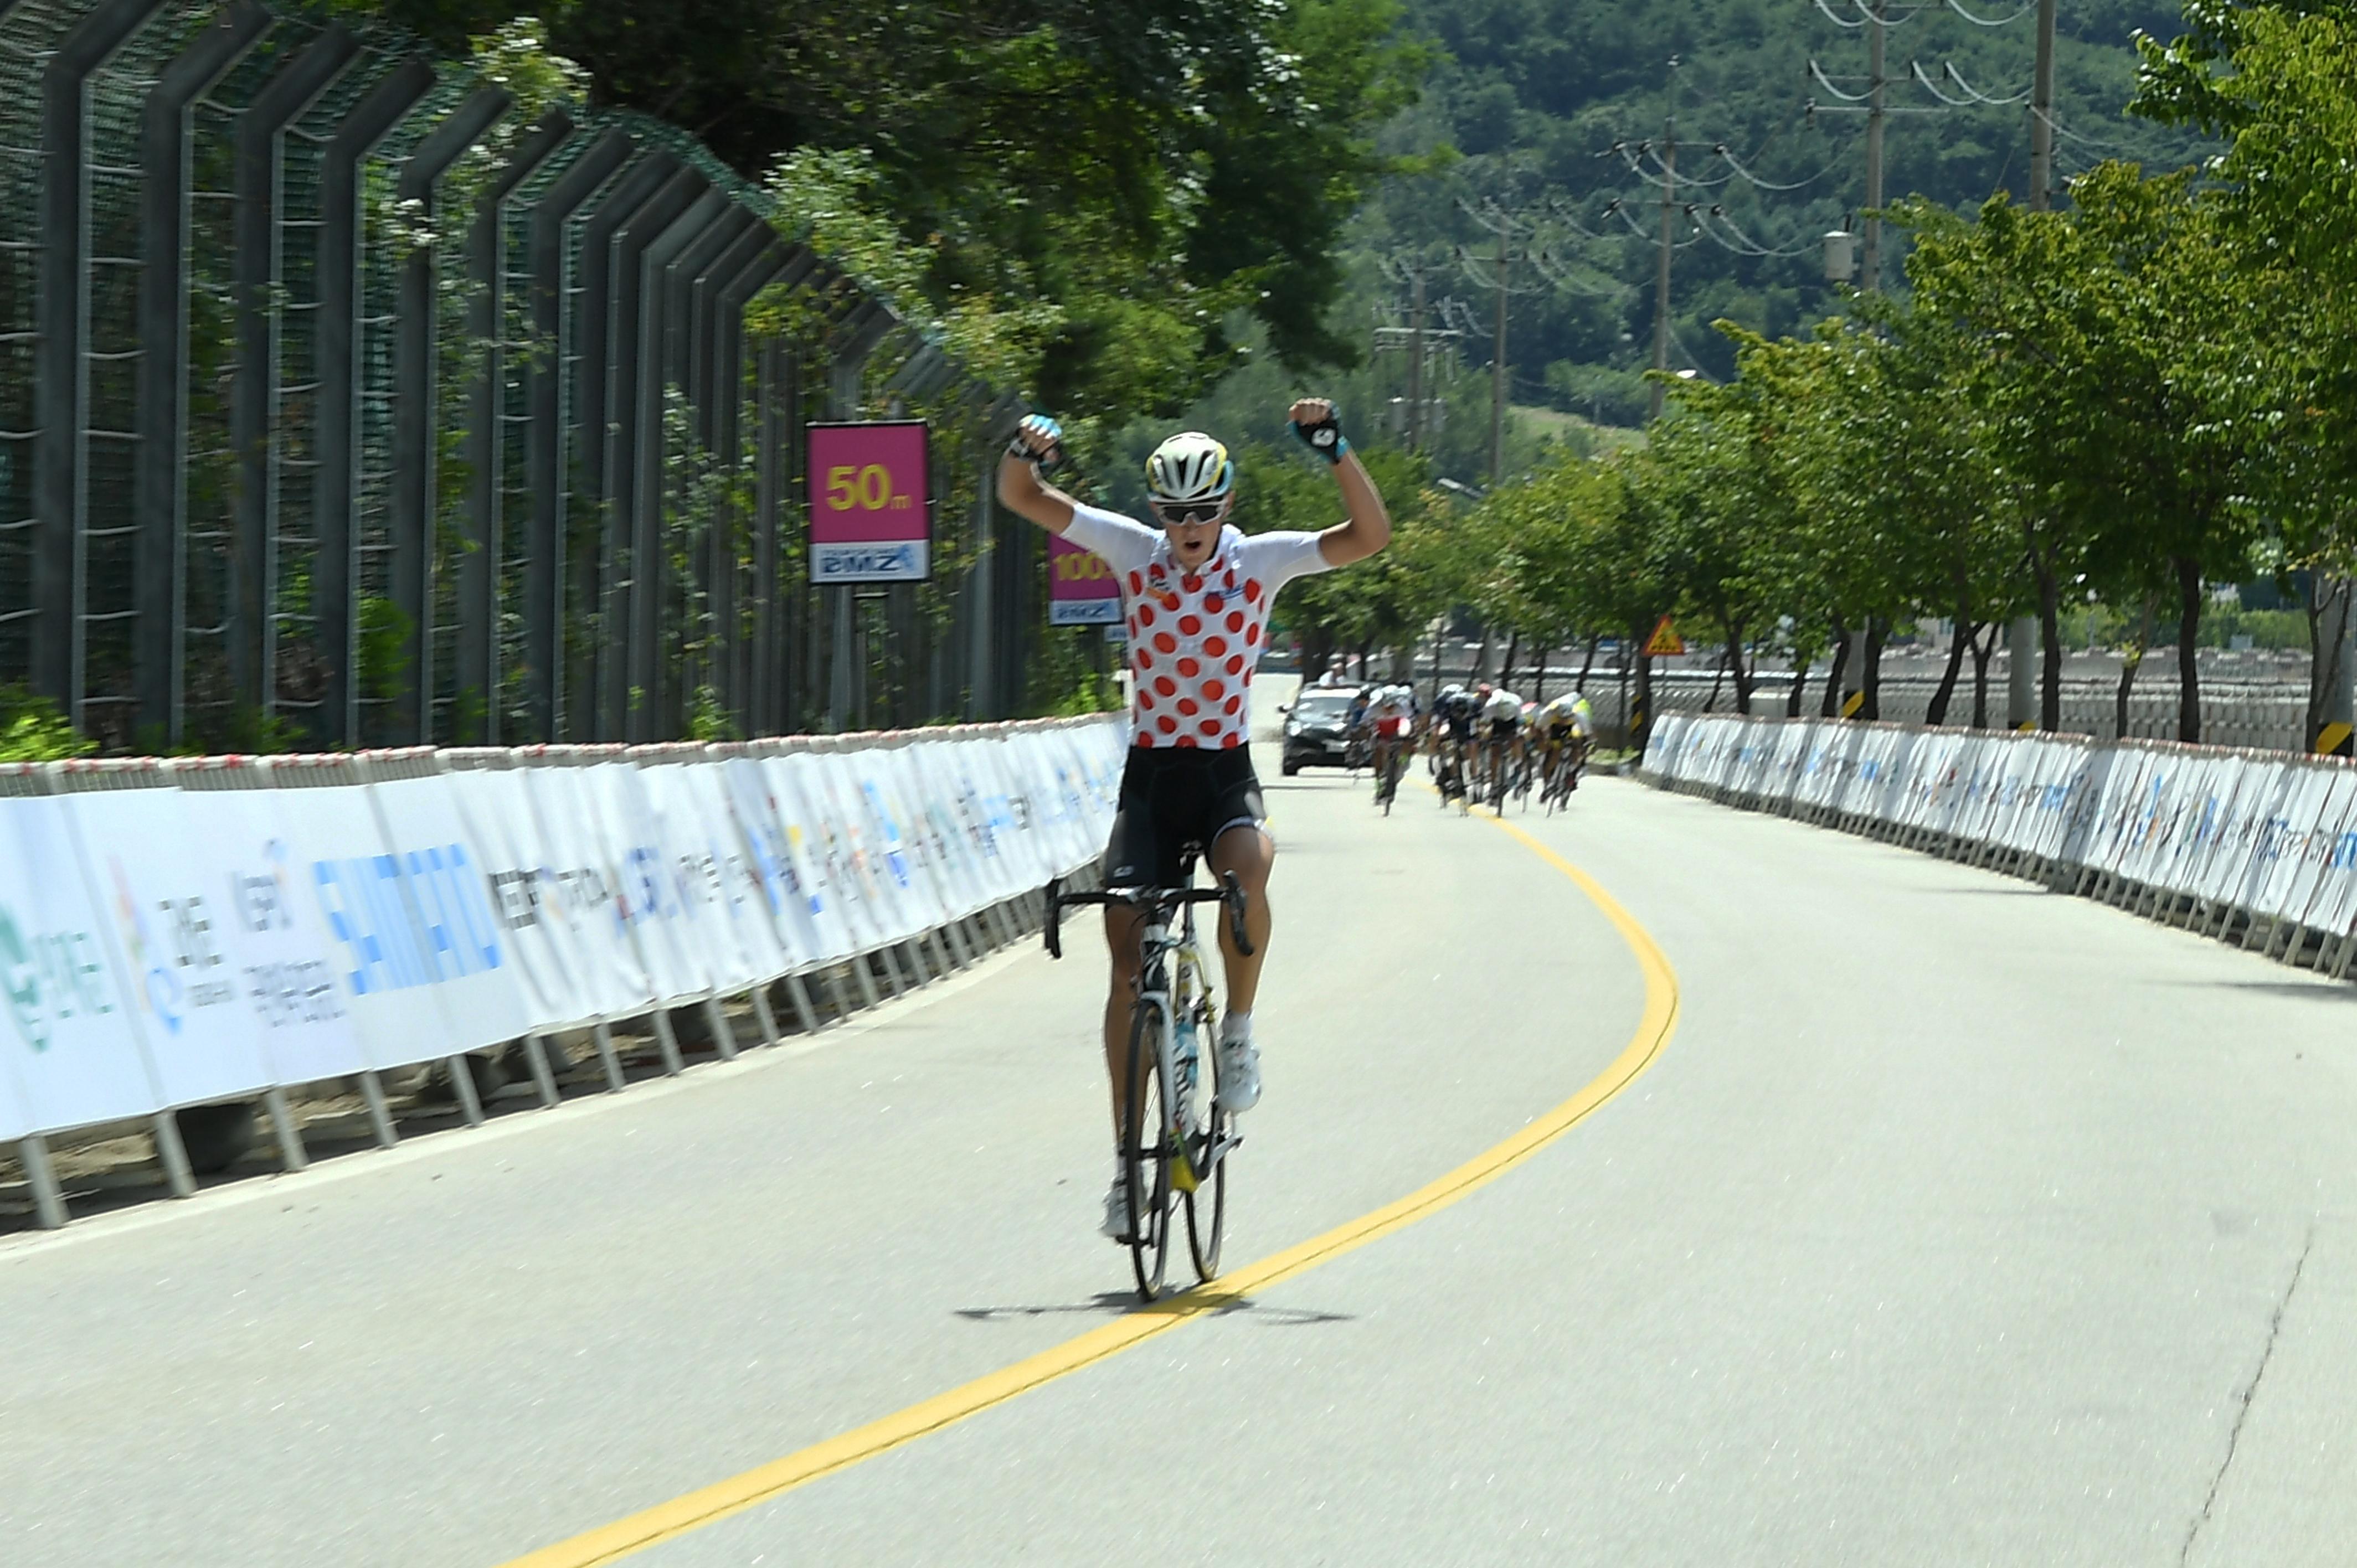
x: 1097, y: 191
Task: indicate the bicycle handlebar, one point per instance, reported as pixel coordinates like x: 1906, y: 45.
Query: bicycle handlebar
x: 1230, y: 892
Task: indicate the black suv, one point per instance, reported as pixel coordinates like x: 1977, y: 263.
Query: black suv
x: 1313, y: 728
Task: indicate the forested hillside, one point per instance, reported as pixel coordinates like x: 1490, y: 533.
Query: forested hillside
x: 1536, y: 93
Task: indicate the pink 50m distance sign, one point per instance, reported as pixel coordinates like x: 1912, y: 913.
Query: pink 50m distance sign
x: 870, y: 502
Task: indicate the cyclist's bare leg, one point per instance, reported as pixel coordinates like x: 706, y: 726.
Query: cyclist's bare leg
x: 1123, y: 929
x: 1248, y: 851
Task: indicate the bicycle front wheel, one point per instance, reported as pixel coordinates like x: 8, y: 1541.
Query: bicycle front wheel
x: 1146, y: 1152
x: 1207, y: 1205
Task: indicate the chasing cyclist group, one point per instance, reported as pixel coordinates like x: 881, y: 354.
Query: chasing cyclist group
x: 1482, y: 743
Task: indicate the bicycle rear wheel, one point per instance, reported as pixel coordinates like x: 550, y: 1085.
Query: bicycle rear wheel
x: 1145, y: 1153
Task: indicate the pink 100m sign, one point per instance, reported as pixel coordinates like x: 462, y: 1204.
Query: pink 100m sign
x: 871, y: 504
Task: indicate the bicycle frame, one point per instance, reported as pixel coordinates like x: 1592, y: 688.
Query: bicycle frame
x: 1163, y: 954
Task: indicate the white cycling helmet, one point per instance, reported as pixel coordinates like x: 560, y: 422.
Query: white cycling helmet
x: 1190, y: 466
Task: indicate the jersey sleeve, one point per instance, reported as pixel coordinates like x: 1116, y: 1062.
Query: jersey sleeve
x: 1122, y: 543
x: 1278, y: 558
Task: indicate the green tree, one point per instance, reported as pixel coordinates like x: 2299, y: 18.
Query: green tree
x: 1139, y: 177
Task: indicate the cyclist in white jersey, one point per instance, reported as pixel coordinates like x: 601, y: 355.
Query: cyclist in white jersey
x: 1195, y: 593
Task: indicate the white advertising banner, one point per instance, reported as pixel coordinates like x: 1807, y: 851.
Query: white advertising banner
x: 461, y: 938
x: 176, y: 938
x: 813, y: 851
x: 74, y: 1056
x: 164, y: 946
x: 2324, y: 813
x: 540, y: 925
x: 568, y: 812
x: 728, y: 904
x: 299, y: 995
x: 831, y: 794
x: 647, y: 879
x: 350, y: 877
x: 753, y: 806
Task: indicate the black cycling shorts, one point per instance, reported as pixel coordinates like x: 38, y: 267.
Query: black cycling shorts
x: 1174, y: 797
x: 1503, y: 729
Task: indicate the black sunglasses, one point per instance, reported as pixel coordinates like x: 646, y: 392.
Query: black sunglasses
x: 1175, y: 512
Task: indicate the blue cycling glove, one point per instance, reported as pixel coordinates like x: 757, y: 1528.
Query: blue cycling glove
x: 1039, y: 425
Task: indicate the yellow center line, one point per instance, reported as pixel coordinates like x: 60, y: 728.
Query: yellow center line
x: 668, y: 1520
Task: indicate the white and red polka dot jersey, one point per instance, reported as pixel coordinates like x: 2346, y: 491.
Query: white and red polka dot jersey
x: 1194, y: 637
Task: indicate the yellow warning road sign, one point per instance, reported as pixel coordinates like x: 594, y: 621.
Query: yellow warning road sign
x: 1665, y: 640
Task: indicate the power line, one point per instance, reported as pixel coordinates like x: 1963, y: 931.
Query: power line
x: 1978, y: 96
x: 1748, y: 245
x: 1646, y: 149
x: 1984, y: 22
x: 1759, y: 184
x: 2061, y: 130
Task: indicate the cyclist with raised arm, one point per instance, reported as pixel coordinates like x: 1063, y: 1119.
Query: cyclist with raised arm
x: 1195, y: 593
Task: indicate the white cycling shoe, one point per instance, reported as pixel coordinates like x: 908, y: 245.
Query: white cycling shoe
x: 1239, y: 1069
x: 1116, y: 1215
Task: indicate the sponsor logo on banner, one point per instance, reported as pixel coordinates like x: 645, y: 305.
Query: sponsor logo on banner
x: 174, y: 954
x: 51, y: 977
x: 285, y: 993
x: 450, y: 935
x: 520, y: 896
x: 640, y: 896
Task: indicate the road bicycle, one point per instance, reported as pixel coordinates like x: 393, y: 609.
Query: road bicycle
x: 1500, y: 778
x: 1174, y: 1139
x: 1562, y: 773
x: 1388, y: 769
x: 1451, y: 778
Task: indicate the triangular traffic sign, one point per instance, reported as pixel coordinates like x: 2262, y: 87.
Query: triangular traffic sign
x: 1665, y: 639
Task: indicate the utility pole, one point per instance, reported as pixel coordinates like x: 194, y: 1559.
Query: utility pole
x: 1661, y: 254
x: 2021, y: 650
x: 1870, y: 275
x: 1510, y: 229
x: 1662, y: 260
x: 1498, y: 369
x: 2041, y: 113
x: 1416, y: 363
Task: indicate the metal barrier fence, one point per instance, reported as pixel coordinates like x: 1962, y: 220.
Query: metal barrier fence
x: 504, y: 920
x: 345, y: 401
x: 2261, y: 715
x: 2245, y: 845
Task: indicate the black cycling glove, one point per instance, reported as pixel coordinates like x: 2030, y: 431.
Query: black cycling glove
x: 1323, y: 437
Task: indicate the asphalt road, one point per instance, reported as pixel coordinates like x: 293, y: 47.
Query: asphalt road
x: 1955, y: 1223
